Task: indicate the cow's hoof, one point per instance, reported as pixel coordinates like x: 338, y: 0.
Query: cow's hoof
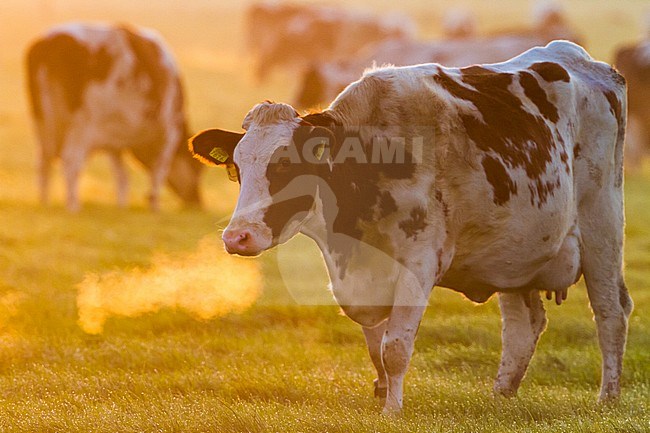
x: 609, y: 395
x: 73, y: 208
x: 392, y: 410
x: 380, y: 391
x: 393, y: 413
x: 504, y: 391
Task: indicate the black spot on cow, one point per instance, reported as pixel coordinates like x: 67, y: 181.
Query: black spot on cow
x: 415, y: 224
x: 387, y: 204
x: 350, y: 189
x: 540, y: 190
x: 577, y: 151
x: 502, y: 184
x: 443, y: 203
x: 70, y: 64
x: 504, y: 129
x: 551, y: 72
x: 546, y: 238
x: 293, y: 181
x: 538, y: 96
x: 624, y: 298
x: 149, y: 66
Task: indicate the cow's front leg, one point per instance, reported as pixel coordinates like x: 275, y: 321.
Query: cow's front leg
x: 163, y: 164
x: 374, y: 338
x: 72, y: 160
x: 121, y: 178
x: 397, y: 348
x: 523, y: 320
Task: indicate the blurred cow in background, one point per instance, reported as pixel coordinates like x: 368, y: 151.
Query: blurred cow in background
x: 459, y: 23
x: 633, y: 61
x: 111, y: 88
x: 321, y: 82
x: 284, y: 34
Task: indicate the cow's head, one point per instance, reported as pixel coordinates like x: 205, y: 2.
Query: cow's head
x: 279, y: 162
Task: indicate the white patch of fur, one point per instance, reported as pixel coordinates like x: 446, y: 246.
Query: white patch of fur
x: 269, y: 113
x: 268, y: 126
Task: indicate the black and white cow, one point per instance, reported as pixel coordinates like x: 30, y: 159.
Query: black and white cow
x: 462, y: 46
x: 633, y: 61
x: 293, y: 35
x: 111, y: 88
x: 503, y: 178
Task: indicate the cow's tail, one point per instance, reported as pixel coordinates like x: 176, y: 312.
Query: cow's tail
x: 621, y: 120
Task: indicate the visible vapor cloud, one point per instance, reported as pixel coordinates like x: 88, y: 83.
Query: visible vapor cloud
x: 207, y: 283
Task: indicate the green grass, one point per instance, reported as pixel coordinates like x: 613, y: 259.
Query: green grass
x: 281, y: 366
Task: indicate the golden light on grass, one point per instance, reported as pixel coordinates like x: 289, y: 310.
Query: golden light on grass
x: 207, y: 283
x: 9, y: 305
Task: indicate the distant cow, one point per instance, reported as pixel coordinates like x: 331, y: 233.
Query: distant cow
x: 459, y: 23
x: 285, y: 34
x: 502, y: 178
x: 116, y: 89
x: 321, y: 82
x: 633, y: 61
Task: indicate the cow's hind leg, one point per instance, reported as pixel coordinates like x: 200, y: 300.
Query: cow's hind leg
x: 44, y: 174
x: 373, y: 340
x: 523, y: 320
x: 601, y: 226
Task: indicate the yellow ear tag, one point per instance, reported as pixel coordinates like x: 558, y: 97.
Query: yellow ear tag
x: 320, y: 149
x: 232, y: 172
x: 219, y: 154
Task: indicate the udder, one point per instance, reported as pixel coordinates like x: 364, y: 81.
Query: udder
x: 563, y: 270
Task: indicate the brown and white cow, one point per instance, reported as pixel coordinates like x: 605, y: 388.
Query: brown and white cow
x: 322, y: 81
x: 286, y: 34
x: 116, y: 89
x: 633, y: 61
x: 503, y: 178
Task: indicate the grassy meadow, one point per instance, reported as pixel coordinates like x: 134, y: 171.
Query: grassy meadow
x: 290, y: 362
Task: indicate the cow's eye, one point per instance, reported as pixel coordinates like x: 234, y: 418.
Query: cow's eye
x: 283, y: 165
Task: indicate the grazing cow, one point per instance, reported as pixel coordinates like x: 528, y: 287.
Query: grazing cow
x: 321, y: 82
x: 111, y: 88
x: 633, y: 61
x: 293, y: 35
x: 503, y: 178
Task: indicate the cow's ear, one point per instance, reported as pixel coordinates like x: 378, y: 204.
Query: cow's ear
x: 214, y: 147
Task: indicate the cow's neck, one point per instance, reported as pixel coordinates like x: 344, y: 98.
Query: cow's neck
x: 338, y: 246
x: 317, y: 228
x: 349, y: 200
